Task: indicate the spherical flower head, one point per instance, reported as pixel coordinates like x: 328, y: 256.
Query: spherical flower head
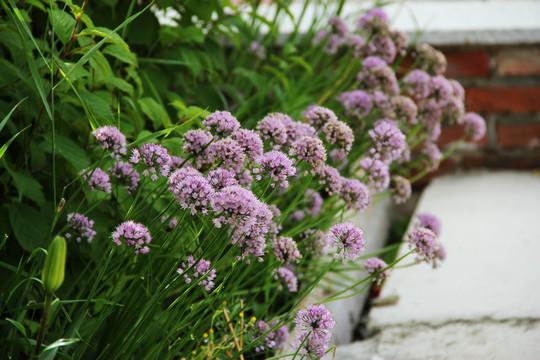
x: 338, y: 26
x: 286, y: 277
x: 314, y: 202
x: 357, y: 103
x: 228, y: 153
x: 320, y: 36
x: 417, y: 84
x: 311, y: 150
x: 375, y: 266
x: 373, y: 20
x: 251, y: 236
x: 430, y: 59
x: 296, y: 130
x: 130, y: 233
x: 97, y: 179
x: 155, y: 157
x: 221, y: 178
x: 314, y: 319
x: 257, y: 49
x: 276, y: 214
x: 286, y: 250
x: 454, y: 110
x: 440, y: 256
x: 312, y: 346
x: 457, y: 89
x: 377, y: 75
x: 402, y: 189
x: 178, y: 176
x: 339, y: 134
x: 80, y: 228
x: 178, y: 162
x: 334, y: 42
x: 221, y: 123
x: 378, y: 173
x: 401, y: 41
x: 356, y: 194
x: 384, y: 104
x: 277, y: 165
x: 357, y: 43
x: 281, y: 334
x: 430, y: 113
x: 405, y: 110
x: 433, y: 155
x: 249, y: 141
x: 272, y: 130
x: 235, y: 205
x: 196, y: 143
x: 330, y: 178
x: 348, y: 239
x: 194, y: 193
x: 245, y: 178
x: 126, y: 175
x: 441, y: 89
x: 111, y: 139
x: 430, y: 222
x: 317, y: 116
x: 261, y: 333
x: 383, y: 47
x: 474, y: 125
x: 424, y: 243
x: 388, y: 140
x: 198, y: 269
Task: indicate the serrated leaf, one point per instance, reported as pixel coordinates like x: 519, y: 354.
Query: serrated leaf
x: 29, y: 226
x: 27, y: 186
x: 63, y: 24
x: 155, y: 112
x: 70, y: 151
x: 122, y: 53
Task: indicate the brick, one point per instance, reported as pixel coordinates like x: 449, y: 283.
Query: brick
x: 519, y: 135
x: 451, y: 134
x: 467, y: 64
x: 518, y: 62
x: 502, y: 99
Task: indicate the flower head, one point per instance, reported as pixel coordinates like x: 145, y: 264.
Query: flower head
x: 424, y: 243
x: 433, y: 155
x: 357, y: 103
x: 221, y: 178
x: 235, y: 205
x: 194, y: 193
x: 317, y: 116
x: 126, y: 175
x: 339, y: 134
x: 348, y: 239
x: 199, y: 269
x: 474, y: 125
x: 155, y: 157
x: 277, y: 165
x: 80, y: 227
x: 374, y: 266
x: 405, y: 110
x: 388, y: 140
x: 355, y: 194
x: 402, y: 188
x: 430, y: 222
x: 130, y: 233
x: 221, y: 123
x: 313, y: 324
x: 330, y: 178
x: 430, y: 59
x: 196, y: 143
x: 111, y: 139
x: 287, y: 278
x: 272, y: 129
x: 311, y: 150
x: 97, y: 179
x: 378, y: 173
x: 418, y: 84
x: 249, y: 141
x: 377, y: 75
x: 286, y: 250
x: 373, y: 20
x: 227, y: 152
x: 178, y: 176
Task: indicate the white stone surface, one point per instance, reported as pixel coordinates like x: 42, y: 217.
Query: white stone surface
x: 490, y: 228
x: 459, y: 341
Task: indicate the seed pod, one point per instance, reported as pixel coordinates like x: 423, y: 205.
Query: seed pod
x: 55, y: 263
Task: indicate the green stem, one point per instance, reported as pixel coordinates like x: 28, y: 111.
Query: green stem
x: 43, y: 325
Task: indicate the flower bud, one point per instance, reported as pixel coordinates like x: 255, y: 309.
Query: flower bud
x: 55, y: 263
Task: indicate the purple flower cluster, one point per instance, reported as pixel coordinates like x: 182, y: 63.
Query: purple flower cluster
x: 314, y: 202
x: 383, y: 47
x: 373, y: 20
x: 315, y: 241
x: 317, y: 116
x: 474, y: 125
x: 377, y: 172
x: 339, y: 134
x: 221, y: 123
x: 155, y: 157
x: 249, y: 141
x: 377, y: 75
x: 173, y: 222
x: 286, y: 250
x: 388, y: 140
x: 178, y: 176
x: 126, y: 174
x: 286, y: 277
x: 97, y: 179
x: 130, y: 233
x: 196, y: 144
x: 433, y: 155
x: 356, y: 194
x: 424, y: 243
x: 199, y: 269
x: 228, y: 153
x: 357, y: 103
x: 257, y: 49
x: 430, y: 59
x: 430, y: 222
x: 111, y: 139
x: 194, y: 192
x: 417, y: 84
x: 330, y: 178
x: 80, y: 227
x: 402, y: 188
x: 375, y: 266
x: 348, y: 239
x: 277, y: 165
x: 313, y: 324
x: 296, y: 130
x: 405, y: 110
x: 311, y: 150
x: 272, y: 129
x: 221, y: 178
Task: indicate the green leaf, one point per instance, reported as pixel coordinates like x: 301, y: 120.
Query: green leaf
x: 98, y: 106
x: 108, y: 35
x: 122, y: 85
x: 18, y: 325
x: 29, y: 226
x: 70, y: 151
x: 122, y: 53
x: 6, y: 118
x: 6, y: 145
x: 192, y: 34
x: 27, y: 186
x: 63, y: 24
x: 300, y: 61
x: 61, y: 342
x: 155, y: 112
x: 102, y: 68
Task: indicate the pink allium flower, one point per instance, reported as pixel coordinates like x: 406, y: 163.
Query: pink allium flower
x: 228, y: 153
x: 173, y: 222
x: 97, y: 180
x: 339, y: 134
x: 348, y: 239
x: 374, y: 266
x: 355, y: 194
x: 330, y: 178
x: 474, y: 125
x: 357, y: 103
x: 198, y: 269
x: 433, y: 155
x: 357, y: 43
x: 338, y: 26
x: 196, y: 144
x: 130, y: 233
x: 277, y: 165
x: 377, y: 75
x: 272, y: 129
x: 313, y: 324
x: 373, y: 20
x: 286, y: 250
x: 287, y: 278
x: 430, y: 222
x: 401, y: 42
x: 221, y: 178
x: 155, y: 157
x: 402, y: 188
x: 405, y: 110
x: 430, y: 59
x: 111, y: 139
x: 388, y: 140
x: 317, y: 116
x: 126, y: 175
x: 296, y: 130
x: 424, y: 243
x: 235, y: 205
x: 383, y: 47
x: 378, y: 173
x: 314, y: 202
x: 221, y: 123
x: 178, y: 176
x: 315, y: 242
x: 311, y: 150
x: 417, y: 84
x: 194, y: 193
x: 249, y: 141
x: 441, y: 89
x: 457, y: 89
x: 80, y: 227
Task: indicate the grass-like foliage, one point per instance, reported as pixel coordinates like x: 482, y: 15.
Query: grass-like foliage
x: 177, y: 190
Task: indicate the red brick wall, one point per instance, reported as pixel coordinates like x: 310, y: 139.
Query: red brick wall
x: 502, y: 83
